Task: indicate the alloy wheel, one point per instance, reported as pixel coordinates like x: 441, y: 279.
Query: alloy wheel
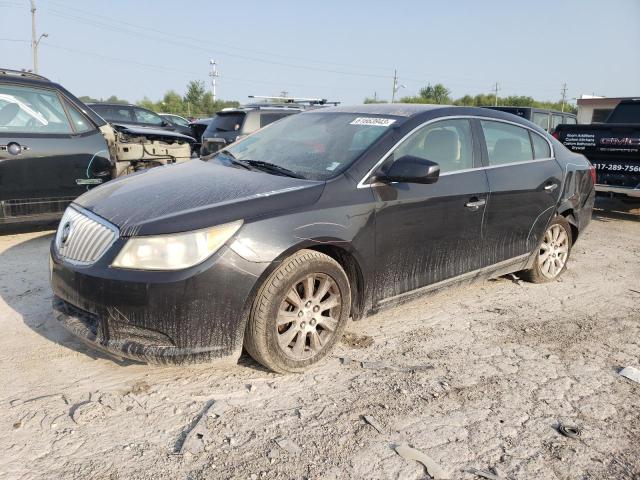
x: 308, y: 316
x: 554, y: 251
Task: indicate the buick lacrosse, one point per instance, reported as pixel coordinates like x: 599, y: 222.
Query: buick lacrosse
x: 273, y: 243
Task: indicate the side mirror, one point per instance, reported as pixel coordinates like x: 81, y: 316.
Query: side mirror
x: 410, y: 169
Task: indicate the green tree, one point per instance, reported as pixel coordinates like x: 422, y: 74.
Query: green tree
x: 438, y: 94
x: 195, y: 94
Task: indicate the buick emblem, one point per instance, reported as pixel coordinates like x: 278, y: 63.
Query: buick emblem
x: 66, y: 230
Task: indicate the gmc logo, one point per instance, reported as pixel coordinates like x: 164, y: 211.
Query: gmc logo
x: 620, y: 141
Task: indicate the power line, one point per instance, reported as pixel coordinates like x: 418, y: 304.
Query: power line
x: 166, y: 38
x: 200, y: 41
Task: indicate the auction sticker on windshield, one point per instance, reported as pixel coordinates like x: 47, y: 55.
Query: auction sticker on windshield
x: 380, y: 122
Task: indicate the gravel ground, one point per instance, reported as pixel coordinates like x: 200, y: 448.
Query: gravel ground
x: 474, y: 377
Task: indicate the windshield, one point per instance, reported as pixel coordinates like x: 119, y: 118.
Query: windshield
x: 226, y: 122
x: 314, y: 145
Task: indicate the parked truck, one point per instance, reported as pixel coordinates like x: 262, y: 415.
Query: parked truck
x: 613, y: 147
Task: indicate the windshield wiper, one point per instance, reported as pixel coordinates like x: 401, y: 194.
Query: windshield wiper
x: 272, y: 167
x: 232, y: 158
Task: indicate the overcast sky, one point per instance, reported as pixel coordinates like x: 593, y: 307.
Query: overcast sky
x: 337, y: 49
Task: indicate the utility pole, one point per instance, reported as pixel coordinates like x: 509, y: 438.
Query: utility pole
x: 396, y: 87
x: 35, y: 41
x: 496, y: 87
x: 214, y: 75
x: 564, y: 94
x: 34, y: 45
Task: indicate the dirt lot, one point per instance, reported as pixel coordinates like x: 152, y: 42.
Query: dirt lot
x: 510, y: 361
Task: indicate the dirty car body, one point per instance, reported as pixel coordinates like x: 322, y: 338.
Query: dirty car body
x: 394, y: 239
x: 53, y: 148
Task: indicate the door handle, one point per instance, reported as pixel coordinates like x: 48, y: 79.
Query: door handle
x: 13, y: 148
x: 475, y: 204
x: 551, y: 187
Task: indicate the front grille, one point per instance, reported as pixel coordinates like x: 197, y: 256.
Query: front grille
x: 82, y: 237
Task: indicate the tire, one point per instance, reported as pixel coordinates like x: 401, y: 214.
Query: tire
x: 552, y: 254
x: 299, y: 313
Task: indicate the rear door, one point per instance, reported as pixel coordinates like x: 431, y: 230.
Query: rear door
x: 525, y: 182
x: 49, y: 153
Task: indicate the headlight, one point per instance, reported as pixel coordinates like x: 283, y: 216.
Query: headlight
x: 174, y: 251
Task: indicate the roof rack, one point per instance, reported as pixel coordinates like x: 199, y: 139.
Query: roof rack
x: 22, y: 73
x: 310, y: 101
x: 274, y: 106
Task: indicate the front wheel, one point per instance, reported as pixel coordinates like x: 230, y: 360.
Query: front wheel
x: 553, y: 254
x: 299, y: 312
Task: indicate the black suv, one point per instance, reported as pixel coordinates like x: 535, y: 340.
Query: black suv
x: 134, y: 115
x: 229, y: 124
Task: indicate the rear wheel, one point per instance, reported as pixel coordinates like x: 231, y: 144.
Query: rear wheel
x: 299, y: 313
x: 553, y: 253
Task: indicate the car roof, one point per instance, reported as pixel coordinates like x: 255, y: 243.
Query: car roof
x: 411, y: 110
x: 394, y: 109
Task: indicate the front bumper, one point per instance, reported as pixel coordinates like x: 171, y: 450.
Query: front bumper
x: 198, y: 314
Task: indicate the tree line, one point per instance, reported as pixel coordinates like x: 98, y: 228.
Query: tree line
x: 198, y: 101
x: 439, y: 94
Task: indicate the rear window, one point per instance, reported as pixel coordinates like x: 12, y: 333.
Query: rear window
x: 625, y: 113
x: 600, y: 115
x: 570, y: 120
x: 226, y: 122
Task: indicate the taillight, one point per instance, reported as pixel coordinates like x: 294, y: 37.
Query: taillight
x: 592, y: 171
x: 555, y: 135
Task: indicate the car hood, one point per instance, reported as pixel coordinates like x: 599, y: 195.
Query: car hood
x: 151, y: 133
x: 193, y: 195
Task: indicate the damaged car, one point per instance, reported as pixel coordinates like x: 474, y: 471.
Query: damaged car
x: 54, y: 148
x: 275, y: 242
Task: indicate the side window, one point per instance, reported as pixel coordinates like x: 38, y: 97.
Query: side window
x: 506, y: 143
x: 80, y: 123
x: 179, y: 121
x: 555, y: 121
x: 114, y: 114
x: 541, y: 119
x: 143, y: 116
x: 267, y: 118
x: 541, y: 148
x: 31, y: 110
x: 570, y: 120
x: 448, y: 143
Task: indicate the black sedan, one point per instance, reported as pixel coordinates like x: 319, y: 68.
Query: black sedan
x: 276, y: 241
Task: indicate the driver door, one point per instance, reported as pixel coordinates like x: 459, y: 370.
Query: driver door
x: 49, y: 153
x: 429, y: 233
